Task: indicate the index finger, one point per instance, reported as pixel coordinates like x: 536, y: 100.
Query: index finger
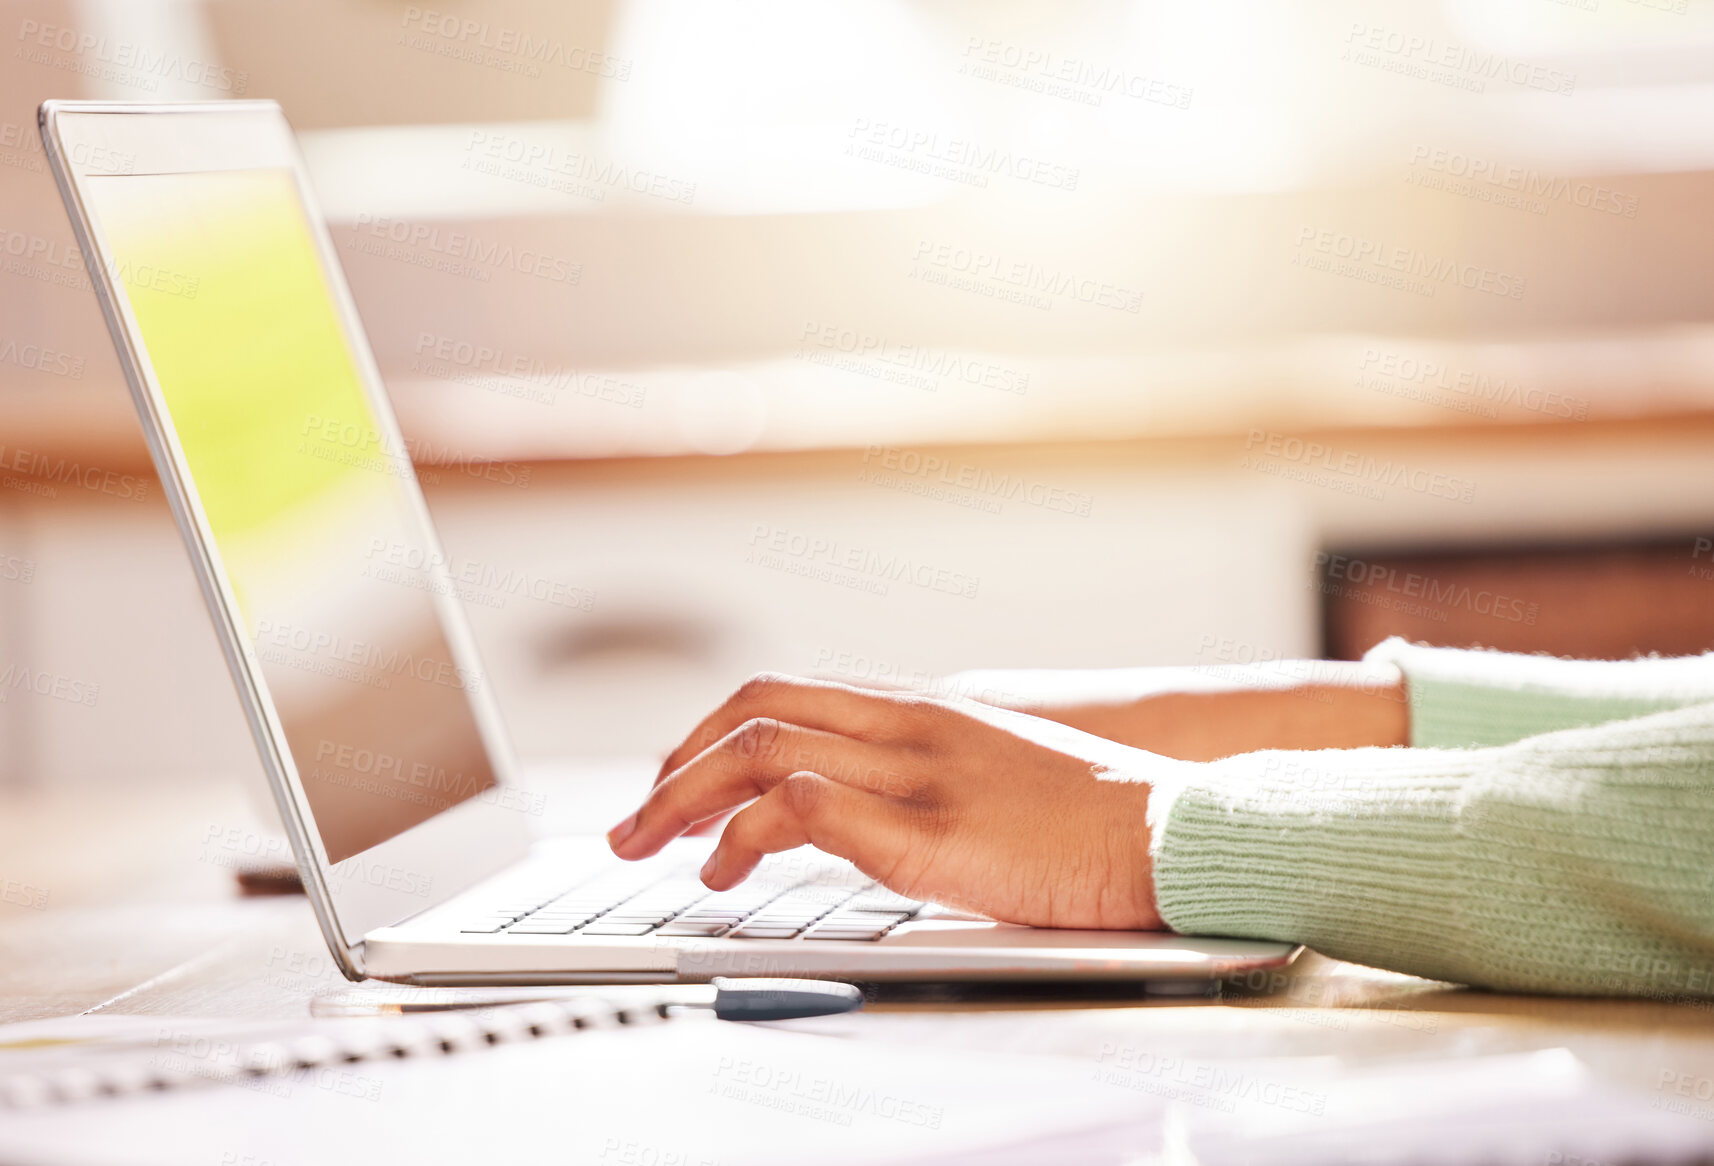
x: 827, y: 705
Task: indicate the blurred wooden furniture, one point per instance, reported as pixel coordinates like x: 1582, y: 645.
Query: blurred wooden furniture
x: 1603, y: 600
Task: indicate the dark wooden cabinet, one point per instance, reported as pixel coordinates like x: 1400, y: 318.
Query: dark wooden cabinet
x: 1599, y: 601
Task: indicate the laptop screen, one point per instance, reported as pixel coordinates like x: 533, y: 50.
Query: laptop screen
x: 318, y: 537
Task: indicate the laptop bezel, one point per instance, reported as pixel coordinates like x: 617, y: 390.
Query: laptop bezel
x: 436, y: 859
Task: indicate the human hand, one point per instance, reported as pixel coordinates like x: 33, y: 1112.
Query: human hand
x: 973, y: 806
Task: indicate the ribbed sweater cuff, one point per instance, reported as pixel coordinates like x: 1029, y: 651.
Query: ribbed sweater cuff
x: 1285, y: 846
x: 1462, y: 698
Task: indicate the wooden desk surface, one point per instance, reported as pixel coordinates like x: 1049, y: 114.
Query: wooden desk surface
x: 121, y: 902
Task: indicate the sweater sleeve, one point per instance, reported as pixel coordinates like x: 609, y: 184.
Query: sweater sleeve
x: 1580, y: 861
x: 1463, y: 698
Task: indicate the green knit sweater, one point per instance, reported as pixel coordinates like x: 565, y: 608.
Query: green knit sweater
x: 1551, y: 829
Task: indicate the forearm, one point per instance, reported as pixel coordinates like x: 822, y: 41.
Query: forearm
x: 1579, y: 861
x: 1462, y: 698
x: 1205, y: 726
x: 1199, y: 714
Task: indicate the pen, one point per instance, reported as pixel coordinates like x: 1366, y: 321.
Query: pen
x: 747, y: 999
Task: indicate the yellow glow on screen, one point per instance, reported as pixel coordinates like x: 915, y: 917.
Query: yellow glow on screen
x: 306, y: 502
x: 244, y: 363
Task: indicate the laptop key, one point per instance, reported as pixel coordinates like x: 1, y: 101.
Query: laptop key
x: 700, y: 930
x: 527, y: 927
x: 749, y: 932
x: 853, y: 935
x: 769, y: 919
x: 626, y: 917
x: 882, y: 901
x: 864, y: 919
x: 618, y: 929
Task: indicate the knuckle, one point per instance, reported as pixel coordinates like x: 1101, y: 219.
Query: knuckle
x: 935, y: 820
x: 803, y: 794
x: 756, y: 737
x: 921, y: 714
x: 886, y: 781
x: 928, y: 729
x: 760, y: 687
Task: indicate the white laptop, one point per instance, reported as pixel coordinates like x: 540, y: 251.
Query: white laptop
x: 287, y: 474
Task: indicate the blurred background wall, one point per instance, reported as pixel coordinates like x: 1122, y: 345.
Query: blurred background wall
x: 884, y: 338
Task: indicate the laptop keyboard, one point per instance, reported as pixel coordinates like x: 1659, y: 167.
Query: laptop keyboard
x: 677, y: 904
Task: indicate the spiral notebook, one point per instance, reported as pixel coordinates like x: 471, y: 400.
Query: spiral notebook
x: 83, y: 1059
